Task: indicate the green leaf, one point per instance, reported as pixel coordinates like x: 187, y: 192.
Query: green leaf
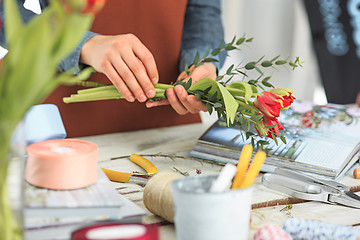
x: 245, y: 87
x: 250, y: 65
x: 198, y: 96
x: 283, y: 139
x: 203, y: 84
x: 13, y: 21
x: 217, y: 105
x: 275, y: 58
x: 207, y: 53
x: 243, y: 73
x: 249, y: 39
x: 188, y: 84
x: 259, y: 71
x: 228, y: 71
x: 229, y: 48
x: 267, y: 84
x: 274, y: 138
x: 210, y: 60
x: 240, y: 41
x: 209, y: 108
x: 196, y: 60
x: 260, y: 59
x: 266, y: 63
x: 280, y: 62
x: 230, y: 103
x: 215, y: 51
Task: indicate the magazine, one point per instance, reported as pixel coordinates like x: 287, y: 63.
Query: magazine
x: 322, y: 140
x: 61, y: 211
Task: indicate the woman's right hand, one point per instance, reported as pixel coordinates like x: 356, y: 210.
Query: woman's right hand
x: 128, y: 64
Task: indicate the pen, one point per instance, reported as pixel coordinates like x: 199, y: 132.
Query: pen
x: 242, y: 166
x: 223, y: 181
x: 254, y: 169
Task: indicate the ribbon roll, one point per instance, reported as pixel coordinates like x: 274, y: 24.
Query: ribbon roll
x: 117, y: 231
x: 62, y: 164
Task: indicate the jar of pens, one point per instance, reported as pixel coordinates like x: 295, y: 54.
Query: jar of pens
x: 209, y: 206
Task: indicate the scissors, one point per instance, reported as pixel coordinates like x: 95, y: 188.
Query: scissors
x: 306, y: 187
x: 140, y: 178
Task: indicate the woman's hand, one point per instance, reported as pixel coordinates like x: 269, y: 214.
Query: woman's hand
x: 179, y: 99
x: 128, y: 64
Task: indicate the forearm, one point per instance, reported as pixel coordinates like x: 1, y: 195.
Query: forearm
x: 203, y: 29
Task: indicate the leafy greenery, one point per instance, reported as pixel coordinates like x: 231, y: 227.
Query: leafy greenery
x: 29, y: 73
x: 230, y: 99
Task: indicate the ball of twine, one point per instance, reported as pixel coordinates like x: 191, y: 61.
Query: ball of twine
x: 157, y: 195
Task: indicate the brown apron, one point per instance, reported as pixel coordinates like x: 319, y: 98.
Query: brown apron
x: 158, y: 24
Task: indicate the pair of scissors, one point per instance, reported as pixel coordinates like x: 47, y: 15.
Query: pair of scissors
x: 140, y: 178
x: 307, y: 187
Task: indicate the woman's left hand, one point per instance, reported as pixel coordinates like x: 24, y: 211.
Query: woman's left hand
x: 179, y: 99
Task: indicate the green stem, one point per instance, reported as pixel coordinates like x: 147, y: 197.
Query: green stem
x: 8, y: 227
x: 163, y: 86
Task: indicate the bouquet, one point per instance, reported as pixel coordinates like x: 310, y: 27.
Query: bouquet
x: 249, y: 103
x: 29, y: 73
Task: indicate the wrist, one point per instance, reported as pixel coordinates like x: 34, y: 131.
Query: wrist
x: 86, y: 50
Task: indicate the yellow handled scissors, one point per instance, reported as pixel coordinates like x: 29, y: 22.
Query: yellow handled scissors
x: 123, y: 177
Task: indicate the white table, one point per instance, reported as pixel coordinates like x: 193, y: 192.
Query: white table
x: 179, y: 140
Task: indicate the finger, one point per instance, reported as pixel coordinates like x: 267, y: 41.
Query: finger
x: 182, y: 97
x: 148, y: 60
x: 118, y: 82
x: 128, y: 77
x: 198, y: 105
x: 139, y: 71
x: 150, y: 104
x: 175, y: 103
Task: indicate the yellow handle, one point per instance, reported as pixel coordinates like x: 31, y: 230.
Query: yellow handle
x: 254, y: 169
x: 242, y: 166
x: 117, y: 176
x: 144, y: 163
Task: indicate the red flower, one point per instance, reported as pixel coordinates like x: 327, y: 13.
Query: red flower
x: 265, y: 122
x: 84, y: 6
x: 285, y: 94
x: 93, y: 6
x: 269, y: 104
x: 275, y: 129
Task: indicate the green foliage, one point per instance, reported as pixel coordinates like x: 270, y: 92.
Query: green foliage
x: 229, y: 96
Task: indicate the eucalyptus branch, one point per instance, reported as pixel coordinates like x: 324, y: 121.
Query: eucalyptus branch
x: 232, y: 99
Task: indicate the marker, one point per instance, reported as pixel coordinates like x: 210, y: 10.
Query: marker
x: 224, y: 178
x: 242, y: 166
x: 254, y: 169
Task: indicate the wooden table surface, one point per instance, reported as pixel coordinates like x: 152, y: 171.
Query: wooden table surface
x: 179, y: 140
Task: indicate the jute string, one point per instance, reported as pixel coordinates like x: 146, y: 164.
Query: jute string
x: 157, y: 195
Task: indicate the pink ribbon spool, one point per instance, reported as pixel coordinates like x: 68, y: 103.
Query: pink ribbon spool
x: 117, y: 231
x: 62, y: 164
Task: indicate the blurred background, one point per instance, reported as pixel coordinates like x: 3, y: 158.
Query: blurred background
x: 279, y: 27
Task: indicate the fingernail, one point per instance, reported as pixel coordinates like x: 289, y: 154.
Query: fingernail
x: 142, y: 98
x: 178, y: 90
x: 154, y: 80
x: 131, y: 99
x: 169, y: 92
x: 151, y: 93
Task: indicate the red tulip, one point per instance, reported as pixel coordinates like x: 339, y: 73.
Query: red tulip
x: 275, y: 130
x: 263, y: 131
x: 84, y: 6
x: 285, y: 94
x: 269, y: 104
x: 93, y: 6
